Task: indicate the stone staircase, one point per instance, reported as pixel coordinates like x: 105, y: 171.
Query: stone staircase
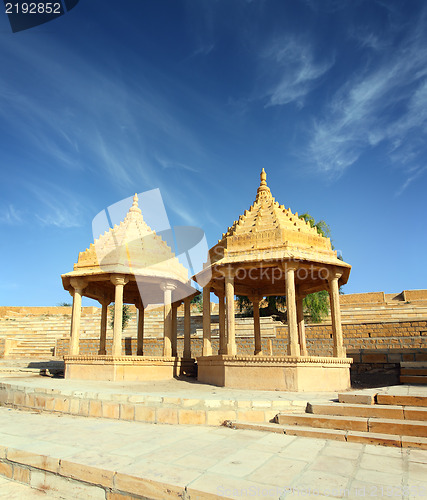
x: 367, y: 417
x: 413, y: 372
x: 389, y: 311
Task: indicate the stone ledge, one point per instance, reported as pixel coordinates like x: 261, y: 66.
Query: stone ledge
x: 150, y: 409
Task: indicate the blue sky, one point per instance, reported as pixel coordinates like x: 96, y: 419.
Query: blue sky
x: 194, y: 98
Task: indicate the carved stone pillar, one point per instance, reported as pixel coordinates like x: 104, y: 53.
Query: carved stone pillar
x: 167, y: 313
x: 293, y: 346
x: 103, y: 333
x: 334, y: 296
x: 229, y: 297
x: 140, y: 334
x: 301, y: 326
x: 119, y: 282
x: 207, y: 343
x: 222, y: 330
x: 257, y: 325
x: 187, y: 328
x: 175, y: 306
x: 79, y: 285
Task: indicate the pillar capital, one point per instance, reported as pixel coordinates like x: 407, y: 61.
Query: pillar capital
x: 105, y: 301
x: 166, y: 285
x: 119, y: 279
x: 78, y: 283
x: 334, y: 274
x: 290, y: 266
x: 228, y: 272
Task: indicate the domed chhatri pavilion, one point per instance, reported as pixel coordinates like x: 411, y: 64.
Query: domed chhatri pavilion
x: 271, y: 251
x: 131, y: 264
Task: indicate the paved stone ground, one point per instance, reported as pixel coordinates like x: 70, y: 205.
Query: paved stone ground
x: 214, y: 460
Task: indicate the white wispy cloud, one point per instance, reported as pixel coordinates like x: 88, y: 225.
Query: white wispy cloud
x: 56, y: 206
x: 10, y: 216
x: 415, y: 174
x: 296, y: 71
x: 382, y: 103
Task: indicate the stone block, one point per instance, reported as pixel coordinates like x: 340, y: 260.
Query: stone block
x: 261, y: 404
x: 192, y: 417
x: 414, y: 442
x: 145, y: 413
x: 65, y: 487
x: 414, y: 413
x: 5, y: 469
x: 86, y: 473
x: 40, y: 402
x: 127, y: 412
x: 84, y: 408
x: 398, y: 427
x: 374, y: 438
x: 255, y: 416
x: 110, y: 410
x: 218, y: 417
x: 21, y: 474
x: 213, y: 403
x: 167, y: 416
x: 172, y: 401
x: 50, y: 403
x: 190, y: 402
x: 19, y: 398
x: 244, y: 404
x: 147, y: 488
x: 33, y: 459
x: 95, y: 408
x: 112, y: 495
x: 62, y: 405
x: 74, y: 406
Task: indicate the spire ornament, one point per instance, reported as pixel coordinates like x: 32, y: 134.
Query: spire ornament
x: 263, y: 188
x: 134, y: 207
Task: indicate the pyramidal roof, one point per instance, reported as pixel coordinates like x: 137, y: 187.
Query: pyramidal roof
x: 268, y: 230
x: 132, y: 247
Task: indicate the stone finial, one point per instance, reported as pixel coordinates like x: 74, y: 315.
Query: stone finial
x: 263, y: 185
x: 134, y: 207
x: 263, y: 178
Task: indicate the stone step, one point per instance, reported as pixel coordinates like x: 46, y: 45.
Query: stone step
x: 337, y: 434
x: 324, y: 421
x: 414, y: 379
x: 371, y: 424
x: 413, y: 371
x: 367, y: 411
x: 403, y: 400
x: 371, y: 397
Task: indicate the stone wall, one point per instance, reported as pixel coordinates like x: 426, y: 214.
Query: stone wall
x: 2, y: 341
x: 154, y: 346
x: 361, y: 336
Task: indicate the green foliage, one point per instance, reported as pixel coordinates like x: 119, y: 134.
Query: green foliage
x: 198, y: 301
x: 321, y: 226
x: 64, y: 304
x: 317, y: 305
x: 125, y: 318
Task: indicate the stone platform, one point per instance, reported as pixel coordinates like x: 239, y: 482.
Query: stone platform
x: 79, y: 458
x: 127, y: 368
x: 57, y: 446
x: 283, y: 373
x: 173, y: 401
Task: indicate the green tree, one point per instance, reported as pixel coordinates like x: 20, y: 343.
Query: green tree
x: 126, y: 316
x: 198, y: 301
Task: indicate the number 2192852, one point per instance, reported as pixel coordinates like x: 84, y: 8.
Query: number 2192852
x: 33, y: 8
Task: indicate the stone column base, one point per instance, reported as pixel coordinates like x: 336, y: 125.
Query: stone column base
x: 268, y: 373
